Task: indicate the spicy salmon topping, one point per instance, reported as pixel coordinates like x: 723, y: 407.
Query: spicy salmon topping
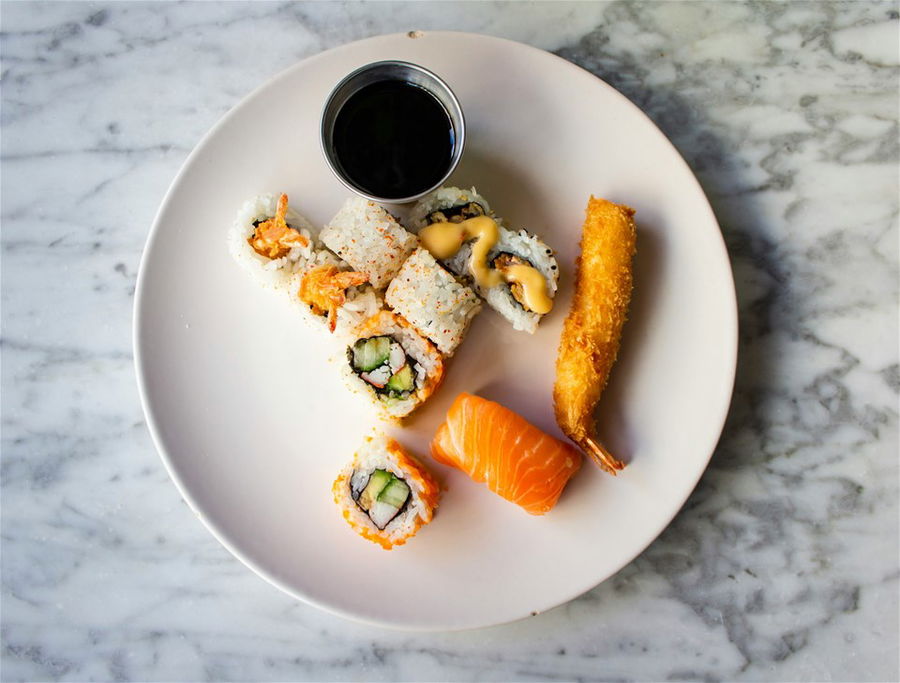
x: 274, y: 238
x: 325, y: 290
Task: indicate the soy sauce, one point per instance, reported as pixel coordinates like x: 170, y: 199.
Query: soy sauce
x: 393, y: 139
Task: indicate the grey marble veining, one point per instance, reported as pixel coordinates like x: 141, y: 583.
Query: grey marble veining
x: 783, y: 564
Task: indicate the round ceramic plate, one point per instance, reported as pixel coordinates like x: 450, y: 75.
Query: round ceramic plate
x: 253, y: 420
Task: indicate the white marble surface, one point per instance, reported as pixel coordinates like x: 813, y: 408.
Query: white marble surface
x: 784, y: 563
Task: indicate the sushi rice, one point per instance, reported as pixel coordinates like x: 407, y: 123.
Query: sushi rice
x: 370, y: 239
x: 433, y: 301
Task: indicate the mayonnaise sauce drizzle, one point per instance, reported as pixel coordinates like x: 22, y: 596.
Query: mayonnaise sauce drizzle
x: 534, y: 287
x: 444, y: 239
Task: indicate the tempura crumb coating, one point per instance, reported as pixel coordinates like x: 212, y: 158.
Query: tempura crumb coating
x: 593, y: 328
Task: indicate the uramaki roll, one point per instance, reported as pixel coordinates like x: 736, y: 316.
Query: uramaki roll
x: 385, y: 494
x: 369, y: 239
x: 271, y: 240
x: 433, y: 301
x: 394, y: 365
x: 513, y: 251
x: 448, y: 204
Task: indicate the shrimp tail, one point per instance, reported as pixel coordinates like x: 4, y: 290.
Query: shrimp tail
x: 601, y: 456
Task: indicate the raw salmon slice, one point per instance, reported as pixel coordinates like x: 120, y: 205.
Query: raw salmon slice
x: 516, y: 460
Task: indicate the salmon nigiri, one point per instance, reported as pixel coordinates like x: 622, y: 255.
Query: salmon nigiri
x: 514, y: 458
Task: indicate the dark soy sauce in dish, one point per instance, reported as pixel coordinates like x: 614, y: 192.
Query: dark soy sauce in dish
x: 393, y: 139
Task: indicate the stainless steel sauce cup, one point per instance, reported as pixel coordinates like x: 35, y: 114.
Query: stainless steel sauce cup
x: 390, y: 71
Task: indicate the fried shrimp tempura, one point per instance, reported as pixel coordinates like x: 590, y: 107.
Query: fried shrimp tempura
x: 590, y: 338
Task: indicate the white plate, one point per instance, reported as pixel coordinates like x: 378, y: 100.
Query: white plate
x: 253, y: 423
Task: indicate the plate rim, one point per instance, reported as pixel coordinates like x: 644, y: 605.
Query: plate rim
x: 731, y: 323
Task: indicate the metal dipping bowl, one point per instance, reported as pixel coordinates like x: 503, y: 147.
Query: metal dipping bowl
x: 390, y: 71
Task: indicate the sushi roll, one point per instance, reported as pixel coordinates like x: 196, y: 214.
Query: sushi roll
x: 432, y: 301
x: 393, y: 364
x: 448, y: 204
x: 369, y: 239
x: 271, y: 240
x: 385, y: 494
x: 525, y: 273
x: 330, y: 293
x: 511, y: 298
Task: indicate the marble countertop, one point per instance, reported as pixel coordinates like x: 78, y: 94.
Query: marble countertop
x: 782, y: 566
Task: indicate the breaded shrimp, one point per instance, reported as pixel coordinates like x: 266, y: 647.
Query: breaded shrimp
x: 590, y: 337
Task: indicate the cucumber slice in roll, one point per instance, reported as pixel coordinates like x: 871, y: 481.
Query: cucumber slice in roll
x: 368, y: 354
x: 377, y: 482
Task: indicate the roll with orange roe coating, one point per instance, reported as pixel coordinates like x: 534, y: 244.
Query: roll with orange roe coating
x: 385, y: 494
